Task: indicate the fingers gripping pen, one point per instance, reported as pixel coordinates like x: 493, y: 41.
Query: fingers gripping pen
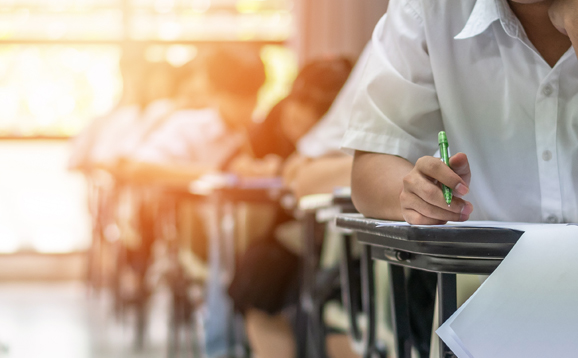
x: 443, y: 143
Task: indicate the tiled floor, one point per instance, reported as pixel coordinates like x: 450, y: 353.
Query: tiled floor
x: 59, y: 320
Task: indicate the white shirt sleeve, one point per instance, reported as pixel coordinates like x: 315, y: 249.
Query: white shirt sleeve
x: 168, y: 144
x: 396, y: 110
x: 198, y: 136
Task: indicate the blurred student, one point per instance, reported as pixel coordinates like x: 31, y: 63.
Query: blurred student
x: 266, y: 285
x: 274, y: 140
x: 318, y: 165
x: 170, y: 93
x: 194, y: 142
x: 92, y: 144
x: 160, y: 89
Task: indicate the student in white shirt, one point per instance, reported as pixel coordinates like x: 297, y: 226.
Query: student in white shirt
x: 501, y: 81
x: 192, y: 94
x: 266, y: 266
x: 312, y: 94
x: 318, y: 166
x: 93, y: 142
x: 160, y: 90
x: 198, y: 141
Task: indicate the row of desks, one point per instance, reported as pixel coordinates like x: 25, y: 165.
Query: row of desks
x: 446, y: 251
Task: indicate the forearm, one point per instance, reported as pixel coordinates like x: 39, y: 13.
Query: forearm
x: 376, y: 184
x: 323, y: 175
x: 167, y: 174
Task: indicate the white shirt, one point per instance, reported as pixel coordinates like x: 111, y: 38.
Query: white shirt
x: 154, y: 114
x: 467, y: 67
x: 325, y: 137
x: 198, y: 136
x: 113, y: 132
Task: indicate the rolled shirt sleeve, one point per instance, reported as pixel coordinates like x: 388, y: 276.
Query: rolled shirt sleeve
x: 396, y: 109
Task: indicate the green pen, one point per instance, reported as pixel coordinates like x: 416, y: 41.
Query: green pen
x: 443, y: 143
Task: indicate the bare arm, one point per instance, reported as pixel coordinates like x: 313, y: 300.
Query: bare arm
x: 377, y: 182
x: 389, y: 187
x: 167, y: 174
x: 322, y: 175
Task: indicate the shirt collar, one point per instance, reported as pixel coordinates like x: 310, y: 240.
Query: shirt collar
x: 485, y: 12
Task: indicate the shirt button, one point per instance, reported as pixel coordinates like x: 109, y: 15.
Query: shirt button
x: 547, y: 91
x: 552, y: 219
x: 547, y: 155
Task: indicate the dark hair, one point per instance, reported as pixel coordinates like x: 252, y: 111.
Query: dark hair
x: 320, y: 81
x: 236, y: 70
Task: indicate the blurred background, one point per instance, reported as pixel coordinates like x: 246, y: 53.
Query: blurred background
x: 59, y: 69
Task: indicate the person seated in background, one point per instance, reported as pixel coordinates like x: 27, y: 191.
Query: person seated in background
x: 274, y: 140
x: 265, y: 287
x: 160, y: 90
x: 194, y: 142
x: 318, y: 165
x: 171, y: 92
x: 94, y: 142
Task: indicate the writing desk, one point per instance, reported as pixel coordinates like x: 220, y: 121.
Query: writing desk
x: 222, y: 193
x: 317, y: 211
x: 445, y: 250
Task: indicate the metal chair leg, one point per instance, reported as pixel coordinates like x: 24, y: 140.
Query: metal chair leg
x: 368, y: 300
x: 447, y: 298
x: 400, y: 311
x: 348, y: 290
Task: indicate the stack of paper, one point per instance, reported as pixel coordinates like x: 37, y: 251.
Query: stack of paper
x: 529, y: 306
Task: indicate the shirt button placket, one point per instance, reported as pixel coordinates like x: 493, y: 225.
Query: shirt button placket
x: 546, y: 144
x: 546, y: 155
x: 552, y: 219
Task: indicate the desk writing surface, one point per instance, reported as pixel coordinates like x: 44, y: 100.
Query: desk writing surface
x: 458, y: 240
x: 238, y: 189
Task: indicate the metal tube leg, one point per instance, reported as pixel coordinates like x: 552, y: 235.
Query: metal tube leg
x: 368, y: 299
x: 400, y: 311
x: 447, y: 297
x: 348, y: 290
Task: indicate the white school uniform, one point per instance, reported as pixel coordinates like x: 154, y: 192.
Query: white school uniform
x: 152, y: 117
x: 112, y: 134
x: 325, y: 137
x: 192, y: 135
x: 99, y: 140
x: 467, y: 67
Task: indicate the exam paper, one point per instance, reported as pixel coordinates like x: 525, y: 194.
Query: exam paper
x: 489, y: 224
x: 528, y: 306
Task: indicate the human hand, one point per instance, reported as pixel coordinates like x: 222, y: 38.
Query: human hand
x: 422, y: 200
x: 291, y: 168
x: 247, y: 166
x: 564, y: 16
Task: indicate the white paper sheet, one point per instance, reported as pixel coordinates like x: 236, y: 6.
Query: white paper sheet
x: 528, y: 306
x: 492, y: 224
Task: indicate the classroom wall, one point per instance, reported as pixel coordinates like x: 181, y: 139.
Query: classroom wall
x: 335, y: 27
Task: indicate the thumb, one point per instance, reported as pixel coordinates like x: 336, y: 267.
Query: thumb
x: 461, y: 166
